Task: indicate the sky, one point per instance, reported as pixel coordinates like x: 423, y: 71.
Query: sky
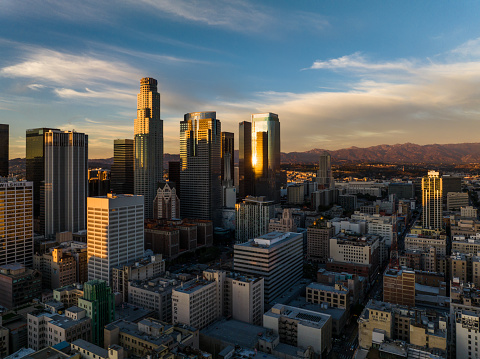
x: 338, y: 73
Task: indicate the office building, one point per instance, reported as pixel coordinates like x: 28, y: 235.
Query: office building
x: 142, y: 269
x: 276, y: 256
x: 98, y: 182
x: 468, y: 212
x: 58, y: 268
x: 324, y: 174
x: 296, y: 193
x: 122, y: 174
x: 432, y: 201
x: 266, y: 155
x: 148, y: 134
x: 284, y: 224
x: 68, y: 295
x: 4, y: 152
x: 114, y: 233
x: 99, y: 303
x: 456, y: 200
x: 336, y: 296
x: 227, y: 156
x: 301, y: 328
x: 16, y: 219
x: 167, y: 203
x: 399, y: 286
x: 451, y: 184
x: 402, y: 190
x: 174, y: 175
x: 57, y: 165
x: 253, y: 217
x: 376, y: 224
x: 318, y: 240
x: 200, y: 146
x: 19, y: 285
x: 245, y: 166
x: 47, y: 329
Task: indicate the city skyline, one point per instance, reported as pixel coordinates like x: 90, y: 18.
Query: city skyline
x: 352, y: 74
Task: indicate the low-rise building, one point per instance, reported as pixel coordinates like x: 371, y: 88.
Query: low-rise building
x: 399, y: 286
x: 318, y: 240
x: 68, y: 295
x: 336, y: 296
x: 19, y: 285
x: 58, y: 268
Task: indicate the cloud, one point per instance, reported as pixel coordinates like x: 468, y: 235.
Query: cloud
x: 36, y: 86
x: 357, y: 62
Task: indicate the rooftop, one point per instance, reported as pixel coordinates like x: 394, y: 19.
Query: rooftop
x: 92, y: 348
x: 246, y: 335
x: 193, y: 285
x: 270, y: 240
x: 326, y: 288
x: 306, y: 317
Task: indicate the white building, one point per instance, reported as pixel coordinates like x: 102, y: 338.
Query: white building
x: 166, y: 203
x: 114, y: 233
x: 382, y: 225
x: 276, y: 256
x: 252, y: 217
x: 348, y: 225
x: 468, y: 212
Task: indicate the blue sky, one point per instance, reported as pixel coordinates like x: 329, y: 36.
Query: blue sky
x: 338, y: 73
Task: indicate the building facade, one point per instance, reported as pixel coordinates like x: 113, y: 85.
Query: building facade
x: 122, y: 174
x: 432, y: 201
x: 4, y: 141
x: 148, y: 132
x: 167, y: 203
x: 252, y: 217
x: 245, y: 165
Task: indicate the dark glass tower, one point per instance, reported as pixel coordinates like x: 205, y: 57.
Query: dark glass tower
x: 200, y: 172
x: 121, y: 176
x: 174, y: 175
x: 4, y: 140
x: 35, y: 166
x: 245, y: 168
x: 227, y: 156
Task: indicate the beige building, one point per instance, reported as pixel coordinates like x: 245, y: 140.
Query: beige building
x: 88, y: 350
x: 456, y: 200
x: 16, y: 223
x: 296, y: 194
x: 399, y: 286
x: 68, y: 295
x: 141, y: 269
x: 318, y: 240
x: 465, y: 227
x: 460, y: 266
x: 432, y: 201
x: 284, y: 224
x: 300, y: 328
x: 415, y: 241
x: 46, y: 329
x: 167, y: 203
x: 466, y: 245
x: 468, y: 212
x: 114, y: 233
x: 337, y: 296
x: 58, y: 269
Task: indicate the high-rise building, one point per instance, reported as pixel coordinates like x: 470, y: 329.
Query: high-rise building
x: 266, y: 155
x: 275, y: 256
x: 318, y: 240
x: 432, y: 201
x: 252, y: 218
x: 4, y: 141
x: 114, y: 233
x: 98, y: 182
x: 399, y: 286
x: 227, y: 156
x: 58, y: 268
x: 245, y: 166
x: 174, y: 175
x: 121, y: 177
x: 35, y: 167
x: 16, y: 223
x: 99, y: 303
x: 19, y: 285
x: 166, y: 203
x: 148, y: 143
x: 324, y: 174
x: 200, y: 146
x: 57, y: 165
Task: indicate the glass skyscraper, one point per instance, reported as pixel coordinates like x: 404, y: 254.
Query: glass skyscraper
x: 200, y: 169
x: 4, y: 141
x: 148, y: 143
x: 245, y: 167
x: 121, y: 176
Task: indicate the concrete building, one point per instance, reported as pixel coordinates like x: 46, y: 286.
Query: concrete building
x: 348, y: 202
x: 253, y: 217
x: 456, y: 200
x: 376, y: 224
x: 300, y: 328
x: 16, y: 231
x: 99, y: 303
x: 324, y: 174
x: 148, y: 146
x: 468, y: 212
x: 88, y: 350
x: 154, y: 294
x: 284, y: 224
x: 19, y: 285
x: 68, y: 295
x: 122, y: 173
x: 364, y: 187
x: 415, y: 241
x: 349, y: 225
x: 58, y: 269
x: 318, y: 240
x: 167, y: 203
x: 98, y: 182
x: 47, y: 329
x: 142, y: 269
x: 200, y: 158
x: 336, y: 296
x: 399, y: 286
x: 277, y: 257
x: 402, y: 190
x: 296, y: 194
x: 114, y: 233
x: 451, y: 184
x: 432, y: 201
x: 465, y: 227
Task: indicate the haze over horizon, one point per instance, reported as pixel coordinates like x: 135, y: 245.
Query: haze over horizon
x: 338, y: 74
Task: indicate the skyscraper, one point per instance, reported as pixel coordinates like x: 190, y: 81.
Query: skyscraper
x: 148, y: 143
x: 432, y: 201
x: 35, y: 167
x: 227, y: 156
x: 266, y: 155
x: 245, y: 167
x: 4, y: 141
x: 121, y: 177
x: 16, y: 223
x: 324, y: 174
x: 57, y: 164
x: 114, y: 233
x: 200, y: 145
